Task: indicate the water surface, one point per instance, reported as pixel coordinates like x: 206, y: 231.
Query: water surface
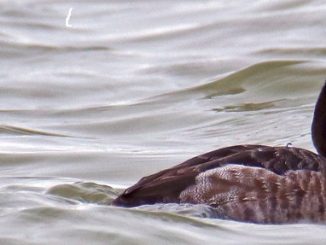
x: 137, y: 86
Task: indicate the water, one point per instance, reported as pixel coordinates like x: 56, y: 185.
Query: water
x: 137, y: 86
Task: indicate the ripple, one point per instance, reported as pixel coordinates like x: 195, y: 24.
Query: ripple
x: 249, y: 106
x: 85, y: 192
x: 14, y: 130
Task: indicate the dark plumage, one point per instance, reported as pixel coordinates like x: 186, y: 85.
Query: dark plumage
x: 251, y: 183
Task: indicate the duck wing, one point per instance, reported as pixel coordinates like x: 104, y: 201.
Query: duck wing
x: 167, y: 185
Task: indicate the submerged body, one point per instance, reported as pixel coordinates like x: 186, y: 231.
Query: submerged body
x: 251, y: 183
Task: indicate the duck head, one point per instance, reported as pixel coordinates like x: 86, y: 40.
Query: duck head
x: 318, y: 128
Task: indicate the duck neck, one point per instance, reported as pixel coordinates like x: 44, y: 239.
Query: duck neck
x: 318, y: 129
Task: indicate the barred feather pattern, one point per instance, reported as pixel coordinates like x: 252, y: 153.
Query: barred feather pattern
x: 258, y: 195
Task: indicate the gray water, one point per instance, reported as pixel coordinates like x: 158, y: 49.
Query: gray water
x: 134, y: 87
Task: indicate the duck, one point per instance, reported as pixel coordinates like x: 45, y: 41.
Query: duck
x: 247, y: 183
